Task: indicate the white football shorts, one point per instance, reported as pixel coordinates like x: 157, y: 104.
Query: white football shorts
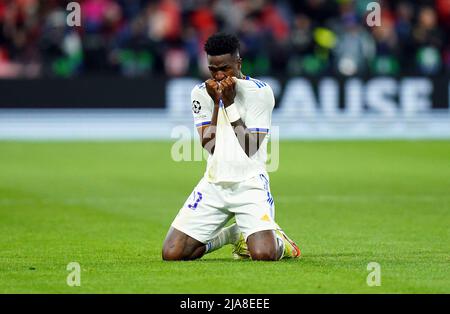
x: 211, y: 205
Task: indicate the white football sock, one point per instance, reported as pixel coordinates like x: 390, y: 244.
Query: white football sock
x: 226, y: 236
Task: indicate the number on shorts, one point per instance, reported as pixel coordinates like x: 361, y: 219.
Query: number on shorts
x: 194, y: 205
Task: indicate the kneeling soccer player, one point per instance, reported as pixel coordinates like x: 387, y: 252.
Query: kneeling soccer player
x: 232, y: 113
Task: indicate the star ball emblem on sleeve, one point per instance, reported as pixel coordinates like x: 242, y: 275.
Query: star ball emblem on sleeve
x: 196, y: 106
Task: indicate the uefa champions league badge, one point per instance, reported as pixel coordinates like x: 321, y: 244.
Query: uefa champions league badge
x: 196, y: 106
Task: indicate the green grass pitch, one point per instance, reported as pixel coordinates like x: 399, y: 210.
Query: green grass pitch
x: 109, y: 205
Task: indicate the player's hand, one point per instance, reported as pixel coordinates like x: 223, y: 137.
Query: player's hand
x: 228, y: 90
x: 213, y: 89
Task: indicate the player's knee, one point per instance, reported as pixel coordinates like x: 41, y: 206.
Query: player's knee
x: 264, y: 254
x: 176, y: 252
x: 172, y: 253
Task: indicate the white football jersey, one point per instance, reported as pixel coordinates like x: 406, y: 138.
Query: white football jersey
x: 229, y: 163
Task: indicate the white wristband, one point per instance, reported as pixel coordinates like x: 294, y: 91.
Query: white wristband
x: 233, y: 113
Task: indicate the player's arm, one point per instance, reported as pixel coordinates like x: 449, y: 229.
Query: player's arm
x: 207, y: 132
x: 250, y: 141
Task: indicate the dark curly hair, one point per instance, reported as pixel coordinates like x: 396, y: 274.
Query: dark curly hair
x: 222, y: 43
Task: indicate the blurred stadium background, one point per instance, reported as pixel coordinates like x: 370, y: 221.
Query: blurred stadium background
x: 127, y: 71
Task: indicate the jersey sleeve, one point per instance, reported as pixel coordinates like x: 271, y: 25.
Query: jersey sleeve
x: 259, y: 112
x: 202, y: 105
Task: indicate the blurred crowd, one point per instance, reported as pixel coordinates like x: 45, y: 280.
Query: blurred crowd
x: 139, y: 38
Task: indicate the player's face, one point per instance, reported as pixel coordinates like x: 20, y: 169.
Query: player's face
x: 224, y: 65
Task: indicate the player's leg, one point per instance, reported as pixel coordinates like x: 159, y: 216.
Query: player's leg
x: 259, y: 232
x: 227, y: 235
x: 286, y: 247
x: 179, y: 246
x: 263, y: 246
x: 198, y: 227
x: 262, y: 238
